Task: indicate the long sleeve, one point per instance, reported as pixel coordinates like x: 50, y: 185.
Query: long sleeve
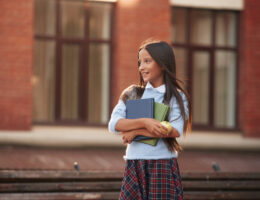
x: 119, y: 112
x: 175, y: 117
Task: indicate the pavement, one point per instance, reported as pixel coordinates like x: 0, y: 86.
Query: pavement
x: 58, y: 148
x: 111, y: 159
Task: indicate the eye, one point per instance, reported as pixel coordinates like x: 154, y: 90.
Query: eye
x: 147, y: 60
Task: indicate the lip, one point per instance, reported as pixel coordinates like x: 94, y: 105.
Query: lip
x: 145, y: 73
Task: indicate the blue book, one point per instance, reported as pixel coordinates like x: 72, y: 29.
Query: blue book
x: 140, y: 108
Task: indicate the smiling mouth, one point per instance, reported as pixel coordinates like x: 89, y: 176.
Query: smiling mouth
x: 145, y: 73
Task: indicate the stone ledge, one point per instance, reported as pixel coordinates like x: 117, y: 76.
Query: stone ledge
x: 50, y: 136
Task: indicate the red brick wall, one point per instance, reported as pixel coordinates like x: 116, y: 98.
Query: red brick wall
x: 249, y: 81
x: 16, y: 53
x: 135, y: 21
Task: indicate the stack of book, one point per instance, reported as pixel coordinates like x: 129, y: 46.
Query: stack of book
x: 146, y: 108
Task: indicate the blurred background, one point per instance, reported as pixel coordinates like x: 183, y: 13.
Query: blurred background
x: 64, y: 64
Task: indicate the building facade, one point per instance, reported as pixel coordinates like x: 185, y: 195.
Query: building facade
x: 67, y: 61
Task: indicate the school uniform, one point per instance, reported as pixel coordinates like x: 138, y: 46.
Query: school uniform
x: 151, y: 172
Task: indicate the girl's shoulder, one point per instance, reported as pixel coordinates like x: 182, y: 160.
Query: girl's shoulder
x: 182, y: 94
x: 132, y: 92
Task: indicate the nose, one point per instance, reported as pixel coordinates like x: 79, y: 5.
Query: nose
x: 141, y: 67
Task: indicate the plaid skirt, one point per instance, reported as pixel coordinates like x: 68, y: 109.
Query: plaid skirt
x: 151, y: 180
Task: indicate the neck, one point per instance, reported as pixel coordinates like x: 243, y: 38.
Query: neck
x: 155, y: 85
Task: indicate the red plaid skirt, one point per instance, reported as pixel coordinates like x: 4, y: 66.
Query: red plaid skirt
x: 151, y: 179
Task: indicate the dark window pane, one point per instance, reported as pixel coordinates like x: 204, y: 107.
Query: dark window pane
x: 178, y: 26
x: 72, y: 19
x: 200, y: 88
x: 201, y: 27
x: 225, y: 89
x: 181, y: 65
x: 44, y: 81
x: 69, y: 81
x: 99, y: 20
x: 45, y: 17
x: 226, y: 29
x: 98, y: 83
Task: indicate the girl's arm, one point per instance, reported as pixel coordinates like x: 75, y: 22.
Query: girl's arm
x: 124, y: 125
x: 128, y: 136
x: 154, y: 127
x: 174, y: 116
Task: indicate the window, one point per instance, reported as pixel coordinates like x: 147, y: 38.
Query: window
x: 72, y: 61
x: 205, y: 46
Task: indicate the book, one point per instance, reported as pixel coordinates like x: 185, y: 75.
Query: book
x: 140, y: 108
x: 146, y: 108
x: 160, y: 112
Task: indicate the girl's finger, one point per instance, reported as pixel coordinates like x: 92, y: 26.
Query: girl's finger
x: 124, y: 139
x: 161, y: 131
x: 157, y: 132
x: 165, y: 130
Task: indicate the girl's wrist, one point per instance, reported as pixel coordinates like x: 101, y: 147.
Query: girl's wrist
x: 143, y: 122
x: 140, y: 122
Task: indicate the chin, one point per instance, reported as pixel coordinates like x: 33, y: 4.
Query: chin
x: 146, y: 80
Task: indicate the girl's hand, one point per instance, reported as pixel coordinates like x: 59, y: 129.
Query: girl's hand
x: 155, y: 127
x: 128, y: 137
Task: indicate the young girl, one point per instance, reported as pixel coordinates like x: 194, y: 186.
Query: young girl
x: 152, y: 172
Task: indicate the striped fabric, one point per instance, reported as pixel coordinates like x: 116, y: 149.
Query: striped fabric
x: 151, y: 180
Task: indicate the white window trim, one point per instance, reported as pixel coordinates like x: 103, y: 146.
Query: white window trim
x: 210, y: 4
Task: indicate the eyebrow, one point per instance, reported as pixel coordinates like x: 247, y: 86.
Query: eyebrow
x: 146, y: 58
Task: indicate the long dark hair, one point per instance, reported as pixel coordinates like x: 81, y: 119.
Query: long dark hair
x: 163, y: 55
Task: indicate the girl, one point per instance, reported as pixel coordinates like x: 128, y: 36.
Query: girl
x: 152, y: 172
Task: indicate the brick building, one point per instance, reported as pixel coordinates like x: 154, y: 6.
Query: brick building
x: 67, y: 61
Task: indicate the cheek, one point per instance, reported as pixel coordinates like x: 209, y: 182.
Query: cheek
x: 158, y: 71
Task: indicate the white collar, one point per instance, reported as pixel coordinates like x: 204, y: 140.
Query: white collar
x: 160, y: 89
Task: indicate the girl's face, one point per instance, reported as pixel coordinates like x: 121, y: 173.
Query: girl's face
x: 149, y: 69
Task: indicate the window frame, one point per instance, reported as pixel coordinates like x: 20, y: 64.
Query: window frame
x: 83, y: 44
x: 211, y: 49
